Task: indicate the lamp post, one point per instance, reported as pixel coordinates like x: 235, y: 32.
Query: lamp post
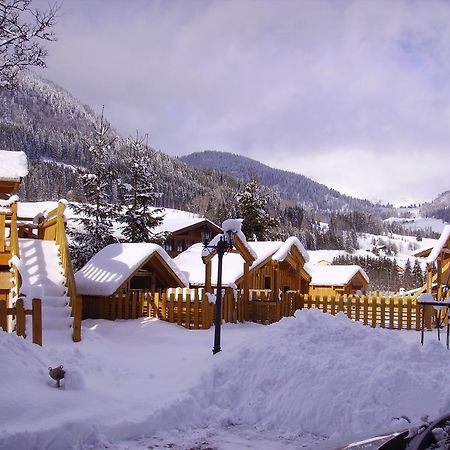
x: 224, y: 244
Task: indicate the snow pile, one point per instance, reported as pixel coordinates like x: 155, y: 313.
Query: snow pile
x: 311, y: 375
x: 14, y: 165
x: 327, y: 376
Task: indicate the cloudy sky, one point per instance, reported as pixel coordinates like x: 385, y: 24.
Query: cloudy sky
x: 354, y: 94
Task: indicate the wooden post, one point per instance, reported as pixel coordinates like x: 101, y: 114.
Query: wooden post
x: 276, y: 281
x: 3, y: 316
x: 428, y: 312
x: 188, y: 310
x: 20, y: 318
x: 246, y: 289
x: 439, y: 277
x: 429, y: 278
x: 37, y: 321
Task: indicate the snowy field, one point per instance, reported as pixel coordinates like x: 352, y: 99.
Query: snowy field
x: 314, y: 381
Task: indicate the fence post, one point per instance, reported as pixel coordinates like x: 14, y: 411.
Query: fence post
x: 20, y: 318
x: 3, y: 316
x: 36, y: 321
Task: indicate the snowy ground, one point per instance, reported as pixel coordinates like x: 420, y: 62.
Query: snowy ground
x: 315, y: 381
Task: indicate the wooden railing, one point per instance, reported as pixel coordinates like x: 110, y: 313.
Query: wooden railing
x: 19, y: 313
x: 53, y: 229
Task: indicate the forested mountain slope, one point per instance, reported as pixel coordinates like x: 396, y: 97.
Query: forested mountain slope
x: 289, y: 185
x: 55, y: 130
x: 438, y: 208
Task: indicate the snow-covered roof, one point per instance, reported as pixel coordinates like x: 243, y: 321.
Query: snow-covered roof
x: 13, y: 165
x: 285, y: 248
x: 174, y: 220
x: 316, y: 256
x: 191, y: 264
x: 334, y: 275
x: 112, y: 266
x: 442, y: 241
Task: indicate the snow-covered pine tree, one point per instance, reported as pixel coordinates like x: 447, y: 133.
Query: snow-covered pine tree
x: 138, y: 218
x: 257, y: 223
x: 96, y: 215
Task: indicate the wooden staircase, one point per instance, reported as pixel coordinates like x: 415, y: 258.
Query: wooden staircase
x: 18, y: 233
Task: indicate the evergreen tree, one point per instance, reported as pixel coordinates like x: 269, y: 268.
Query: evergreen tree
x: 138, y: 218
x: 418, y: 275
x: 96, y: 216
x: 257, y: 224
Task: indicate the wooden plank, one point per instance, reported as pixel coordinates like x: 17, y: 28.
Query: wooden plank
x: 391, y: 313
x: 373, y: 312
x: 333, y: 306
x: 36, y: 321
x: 400, y: 314
x: 366, y: 310
x: 20, y: 318
x: 418, y: 315
x: 127, y: 304
x: 133, y: 304
x: 348, y: 306
x: 171, y: 307
x: 188, y: 310
x: 357, y: 308
x: 196, y: 309
x: 164, y: 313
x: 2, y: 233
x: 3, y: 316
x: 180, y: 309
x: 382, y: 312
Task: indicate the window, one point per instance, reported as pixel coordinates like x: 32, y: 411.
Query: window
x: 180, y: 246
x: 168, y: 246
x: 141, y: 282
x: 267, y: 283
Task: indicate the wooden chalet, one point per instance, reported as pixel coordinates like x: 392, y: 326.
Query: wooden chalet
x: 332, y: 280
x: 121, y: 271
x: 183, y: 232
x: 252, y: 266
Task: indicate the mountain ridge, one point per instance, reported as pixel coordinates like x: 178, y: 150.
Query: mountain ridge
x: 289, y: 185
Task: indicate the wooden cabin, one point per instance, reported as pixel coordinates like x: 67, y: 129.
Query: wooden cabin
x: 439, y: 257
x: 13, y: 168
x: 183, y: 232
x: 124, y: 271
x: 271, y: 266
x: 332, y: 280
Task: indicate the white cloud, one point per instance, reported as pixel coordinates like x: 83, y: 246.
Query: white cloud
x: 315, y: 79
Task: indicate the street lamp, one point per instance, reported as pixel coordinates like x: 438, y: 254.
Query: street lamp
x: 224, y: 244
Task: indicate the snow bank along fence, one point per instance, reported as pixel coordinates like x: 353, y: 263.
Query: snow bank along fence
x: 194, y: 309
x: 18, y: 312
x: 51, y: 227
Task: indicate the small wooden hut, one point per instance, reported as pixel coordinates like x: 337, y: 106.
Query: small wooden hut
x: 121, y: 272
x: 270, y: 266
x: 332, y: 280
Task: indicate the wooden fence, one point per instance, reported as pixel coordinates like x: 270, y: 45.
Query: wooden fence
x: 191, y: 308
x: 393, y: 312
x: 19, y: 313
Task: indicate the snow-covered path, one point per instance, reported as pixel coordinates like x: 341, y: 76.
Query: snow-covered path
x: 315, y: 381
